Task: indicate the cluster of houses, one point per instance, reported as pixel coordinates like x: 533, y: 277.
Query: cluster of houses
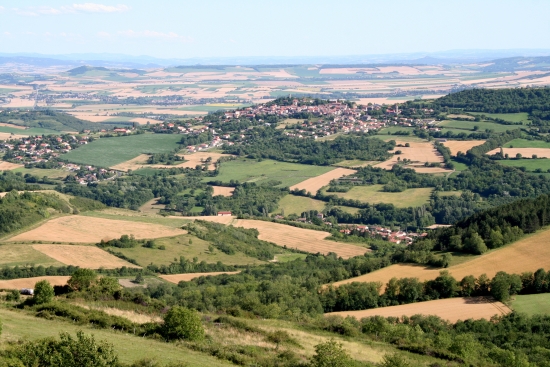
x: 397, y: 237
x: 89, y: 174
x: 38, y: 149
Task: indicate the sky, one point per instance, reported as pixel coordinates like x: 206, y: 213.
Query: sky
x: 233, y: 28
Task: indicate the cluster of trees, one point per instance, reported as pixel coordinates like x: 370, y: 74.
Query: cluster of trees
x: 16, y: 181
x: 126, y: 241
x: 273, y: 144
x: 164, y: 158
x: 499, y: 100
x: 495, y: 227
x: 47, y: 119
x: 21, y: 210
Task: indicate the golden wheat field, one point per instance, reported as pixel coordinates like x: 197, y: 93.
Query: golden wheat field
x: 307, y: 240
x: 81, y: 229
x: 528, y: 254
x: 90, y: 257
x: 452, y: 309
x: 463, y: 146
x: 525, y: 152
x: 30, y: 282
x: 315, y: 183
x: 419, y: 152
x: 224, y: 191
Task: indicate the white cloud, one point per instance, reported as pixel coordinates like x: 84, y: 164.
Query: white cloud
x: 170, y: 36
x: 2, y: 8
x: 7, y: 34
x: 100, y: 8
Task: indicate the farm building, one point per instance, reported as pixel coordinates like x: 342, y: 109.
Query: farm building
x: 224, y: 214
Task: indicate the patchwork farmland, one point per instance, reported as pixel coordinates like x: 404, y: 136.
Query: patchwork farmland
x: 314, y: 184
x: 90, y: 257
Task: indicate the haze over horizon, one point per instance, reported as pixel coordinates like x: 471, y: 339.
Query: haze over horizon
x: 216, y: 29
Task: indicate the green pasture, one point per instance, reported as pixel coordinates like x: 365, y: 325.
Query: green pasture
x: 394, y: 129
x: 529, y: 163
x: 291, y: 204
x: 107, y: 152
x: 512, y: 117
x: 532, y: 304
x: 247, y: 170
x: 373, y: 194
x: 524, y: 143
x: 482, y: 125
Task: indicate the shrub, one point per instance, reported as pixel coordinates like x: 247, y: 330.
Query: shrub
x: 43, y: 292
x: 330, y: 354
x: 82, y: 279
x: 183, y: 323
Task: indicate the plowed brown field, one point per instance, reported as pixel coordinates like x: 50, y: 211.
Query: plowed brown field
x: 90, y: 230
x: 176, y: 278
x: 30, y: 282
x: 89, y: 257
x: 452, y: 309
x: 299, y: 238
x: 528, y: 254
x: 462, y: 146
x: 315, y: 183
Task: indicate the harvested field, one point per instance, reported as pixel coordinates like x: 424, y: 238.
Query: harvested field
x: 92, y: 230
x: 7, y: 166
x: 452, y: 309
x: 417, y: 152
x: 525, y: 152
x: 176, y: 278
x: 528, y: 254
x: 315, y: 183
x: 89, y: 257
x: 133, y: 164
x: 212, y: 218
x: 198, y: 158
x: 222, y: 190
x: 151, y: 207
x: 462, y: 146
x: 30, y: 282
x: 374, y: 194
x: 307, y: 240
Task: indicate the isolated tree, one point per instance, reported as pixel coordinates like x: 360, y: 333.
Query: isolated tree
x: 82, y: 279
x: 330, y: 354
x: 183, y: 323
x: 43, y: 292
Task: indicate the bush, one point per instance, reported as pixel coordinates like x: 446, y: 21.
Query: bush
x: 82, y: 279
x: 43, y: 292
x: 183, y: 323
x: 13, y: 296
x: 330, y: 354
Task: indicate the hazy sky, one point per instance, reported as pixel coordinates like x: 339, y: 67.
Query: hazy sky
x: 217, y: 28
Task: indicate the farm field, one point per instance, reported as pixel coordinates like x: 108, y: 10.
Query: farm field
x: 176, y: 278
x: 90, y: 257
x: 530, y: 164
x: 306, y: 240
x: 291, y: 204
x: 355, y: 163
x: 525, y: 152
x: 7, y: 166
x: 462, y: 145
x: 452, y: 309
x: 374, y: 194
x: 482, y: 125
x: 17, y: 325
x: 30, y: 282
x: 23, y: 254
x: 109, y: 152
x: 512, y: 117
x: 246, y: 170
x: 528, y: 254
x: 40, y: 172
x: 532, y: 304
x: 394, y: 129
x: 314, y: 184
x: 83, y: 229
x: 223, y: 191
x: 187, y: 246
x: 419, y: 153
x: 524, y: 143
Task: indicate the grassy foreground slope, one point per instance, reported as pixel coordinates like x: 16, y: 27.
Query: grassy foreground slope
x: 528, y: 254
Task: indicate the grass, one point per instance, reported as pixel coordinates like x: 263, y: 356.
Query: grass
x: 532, y: 304
x: 459, y: 166
x: 355, y: 163
x: 512, y: 117
x: 30, y: 131
x: 39, y: 172
x: 286, y: 122
x: 283, y: 258
x: 393, y: 129
x: 246, y: 170
x: 128, y: 215
x: 529, y: 164
x: 524, y: 143
x: 374, y: 194
x: 450, y: 193
x: 180, y: 246
x: 291, y: 204
x: 348, y: 209
x: 24, y: 254
x: 108, y: 152
x: 482, y: 125
x: 18, y: 325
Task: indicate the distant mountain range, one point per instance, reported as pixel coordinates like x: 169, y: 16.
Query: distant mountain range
x: 128, y: 61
